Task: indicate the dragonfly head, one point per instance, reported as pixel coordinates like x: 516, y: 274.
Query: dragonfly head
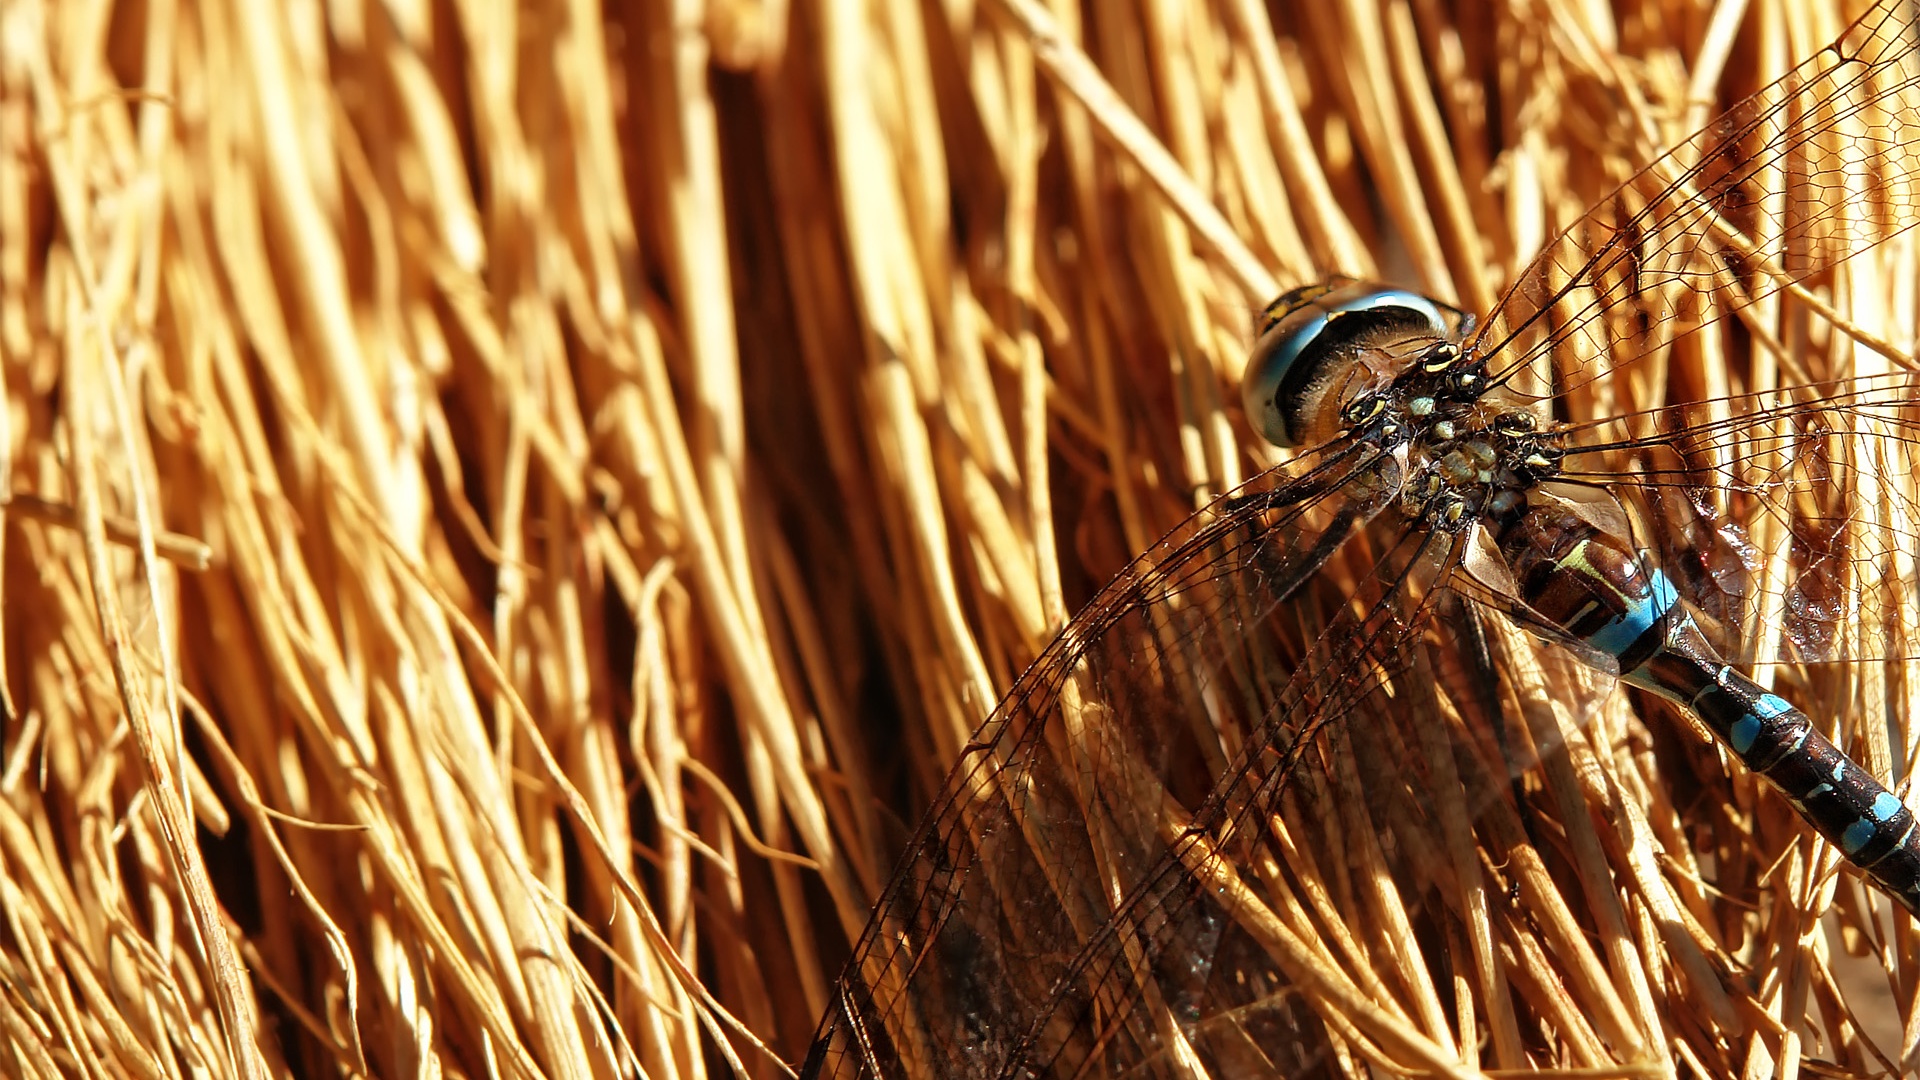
x: 1320, y: 350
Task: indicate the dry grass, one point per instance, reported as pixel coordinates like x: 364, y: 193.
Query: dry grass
x: 515, y: 510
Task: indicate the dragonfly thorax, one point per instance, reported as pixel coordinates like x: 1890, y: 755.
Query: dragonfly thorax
x: 1391, y: 369
x: 1474, y: 461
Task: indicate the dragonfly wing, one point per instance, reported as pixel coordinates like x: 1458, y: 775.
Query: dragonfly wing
x: 1709, y: 230
x: 1082, y: 898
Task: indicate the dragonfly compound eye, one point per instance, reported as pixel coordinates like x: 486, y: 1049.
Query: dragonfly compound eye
x: 1320, y: 344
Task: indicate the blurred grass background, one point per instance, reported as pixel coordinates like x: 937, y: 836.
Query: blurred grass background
x: 516, y: 505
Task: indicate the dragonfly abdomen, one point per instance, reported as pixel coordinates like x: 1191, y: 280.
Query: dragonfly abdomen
x: 1604, y: 595
x: 1870, y: 825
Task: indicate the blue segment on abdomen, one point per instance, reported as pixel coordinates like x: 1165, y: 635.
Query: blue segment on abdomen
x: 1885, y: 805
x: 1746, y: 729
x: 1856, y: 836
x: 1641, y: 615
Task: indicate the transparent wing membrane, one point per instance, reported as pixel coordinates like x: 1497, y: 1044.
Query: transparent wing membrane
x: 1123, y: 875
x: 1761, y: 216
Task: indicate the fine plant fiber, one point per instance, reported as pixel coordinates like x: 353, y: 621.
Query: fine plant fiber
x: 512, y: 511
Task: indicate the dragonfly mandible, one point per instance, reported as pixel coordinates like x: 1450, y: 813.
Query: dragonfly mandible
x: 1138, y: 866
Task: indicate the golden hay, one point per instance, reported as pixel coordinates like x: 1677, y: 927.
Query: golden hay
x: 516, y: 509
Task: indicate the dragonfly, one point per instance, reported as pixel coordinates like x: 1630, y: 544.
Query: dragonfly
x: 1301, y: 703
